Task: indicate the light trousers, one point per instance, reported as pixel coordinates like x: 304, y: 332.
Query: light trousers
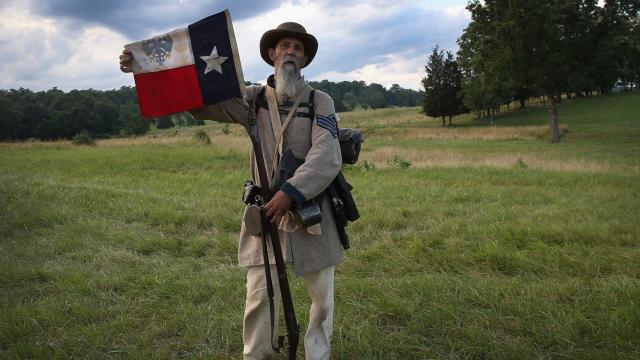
x: 256, y: 331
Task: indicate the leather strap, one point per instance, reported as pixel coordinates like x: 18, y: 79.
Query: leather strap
x: 278, y: 127
x: 274, y: 114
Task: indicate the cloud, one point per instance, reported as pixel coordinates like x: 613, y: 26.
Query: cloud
x: 75, y: 44
x: 358, y: 38
x: 38, y: 53
x: 405, y: 70
x: 140, y: 19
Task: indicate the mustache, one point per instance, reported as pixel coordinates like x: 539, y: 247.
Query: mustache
x: 290, y: 59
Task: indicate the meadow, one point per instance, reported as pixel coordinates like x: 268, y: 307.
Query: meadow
x: 475, y: 242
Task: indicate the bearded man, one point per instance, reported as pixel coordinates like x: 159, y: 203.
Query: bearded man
x: 293, y: 119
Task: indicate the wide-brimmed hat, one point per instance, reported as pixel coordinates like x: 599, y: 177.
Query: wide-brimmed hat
x: 292, y: 30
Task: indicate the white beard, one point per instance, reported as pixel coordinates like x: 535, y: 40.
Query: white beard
x: 288, y: 81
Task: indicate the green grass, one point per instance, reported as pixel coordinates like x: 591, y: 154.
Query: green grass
x: 129, y: 251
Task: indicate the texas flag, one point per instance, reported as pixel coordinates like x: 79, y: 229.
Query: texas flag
x: 187, y: 68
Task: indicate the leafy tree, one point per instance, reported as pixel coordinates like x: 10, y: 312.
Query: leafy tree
x: 350, y: 100
x: 618, y: 47
x: 374, y: 96
x: 133, y: 124
x: 519, y: 44
x: 551, y: 72
x: 482, y: 84
x: 392, y: 94
x: 580, y: 36
x: 104, y: 119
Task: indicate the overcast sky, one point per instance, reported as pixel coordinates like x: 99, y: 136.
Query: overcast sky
x: 74, y: 44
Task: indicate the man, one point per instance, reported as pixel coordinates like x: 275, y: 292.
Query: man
x: 313, y: 251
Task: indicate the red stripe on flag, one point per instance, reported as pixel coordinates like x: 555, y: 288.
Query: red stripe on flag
x: 167, y: 92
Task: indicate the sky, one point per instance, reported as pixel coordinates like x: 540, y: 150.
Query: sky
x: 75, y: 44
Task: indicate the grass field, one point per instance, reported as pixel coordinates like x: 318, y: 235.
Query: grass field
x: 476, y: 242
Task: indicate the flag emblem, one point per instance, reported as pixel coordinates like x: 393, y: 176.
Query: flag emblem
x: 187, y: 68
x: 158, y: 49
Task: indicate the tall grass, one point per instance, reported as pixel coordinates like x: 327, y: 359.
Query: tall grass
x: 128, y: 249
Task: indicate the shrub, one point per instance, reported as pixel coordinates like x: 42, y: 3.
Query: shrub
x: 201, y: 137
x: 226, y: 130
x: 83, y: 138
x: 397, y: 161
x: 164, y: 123
x: 368, y: 165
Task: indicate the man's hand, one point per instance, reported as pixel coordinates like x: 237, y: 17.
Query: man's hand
x: 125, y: 61
x: 279, y: 204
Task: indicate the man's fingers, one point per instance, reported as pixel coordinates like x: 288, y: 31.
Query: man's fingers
x: 274, y: 213
x: 125, y: 61
x: 270, y: 211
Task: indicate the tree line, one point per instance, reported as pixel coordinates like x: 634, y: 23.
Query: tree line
x: 55, y: 114
x: 349, y: 95
x: 513, y: 50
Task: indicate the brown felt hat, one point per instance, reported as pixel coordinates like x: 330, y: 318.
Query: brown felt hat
x: 292, y: 30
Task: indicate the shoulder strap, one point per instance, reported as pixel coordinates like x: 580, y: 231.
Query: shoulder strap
x: 261, y: 101
x: 312, y: 104
x: 276, y: 125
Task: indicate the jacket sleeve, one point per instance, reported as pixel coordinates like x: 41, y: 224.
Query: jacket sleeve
x: 324, y: 160
x: 228, y: 111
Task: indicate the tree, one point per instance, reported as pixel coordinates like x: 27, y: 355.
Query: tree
x: 433, y: 85
x: 10, y: 121
x: 392, y: 94
x: 484, y: 87
x: 580, y: 37
x: 164, y: 122
x: 53, y: 114
x: 442, y: 86
x: 521, y: 45
x: 104, y: 119
x: 133, y: 124
x: 618, y: 43
x: 453, y: 88
x: 347, y: 95
x: 374, y: 96
x: 551, y: 72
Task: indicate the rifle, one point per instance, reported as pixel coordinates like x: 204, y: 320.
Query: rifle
x: 293, y: 329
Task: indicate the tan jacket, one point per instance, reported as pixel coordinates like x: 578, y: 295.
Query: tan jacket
x: 312, y: 140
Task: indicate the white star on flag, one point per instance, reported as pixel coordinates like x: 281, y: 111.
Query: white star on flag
x: 213, y: 61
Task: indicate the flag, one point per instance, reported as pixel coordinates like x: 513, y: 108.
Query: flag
x: 187, y: 68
